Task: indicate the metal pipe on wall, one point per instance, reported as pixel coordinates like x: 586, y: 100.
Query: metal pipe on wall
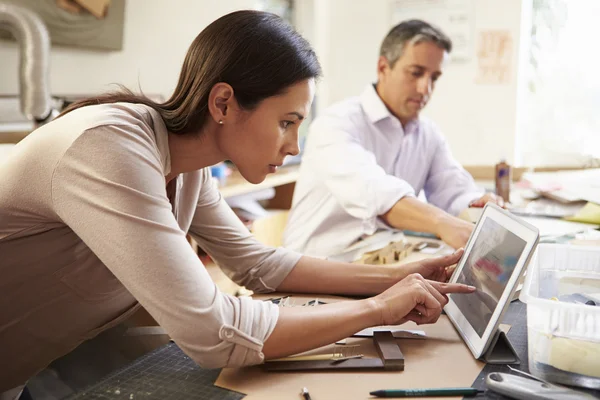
x: 34, y: 45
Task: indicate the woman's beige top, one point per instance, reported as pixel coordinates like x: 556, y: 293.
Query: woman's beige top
x: 87, y: 231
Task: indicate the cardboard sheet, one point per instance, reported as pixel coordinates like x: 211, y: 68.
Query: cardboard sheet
x: 441, y: 360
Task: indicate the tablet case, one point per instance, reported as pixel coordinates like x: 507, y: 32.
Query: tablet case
x: 500, y: 351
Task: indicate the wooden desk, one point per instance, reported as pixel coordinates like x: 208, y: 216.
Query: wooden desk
x: 168, y: 373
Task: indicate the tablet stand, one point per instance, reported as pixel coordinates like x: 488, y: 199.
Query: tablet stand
x: 500, y: 351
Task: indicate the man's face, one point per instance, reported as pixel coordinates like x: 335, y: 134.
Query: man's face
x: 406, y: 88
x: 260, y: 139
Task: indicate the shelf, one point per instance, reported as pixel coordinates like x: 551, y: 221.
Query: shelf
x: 236, y: 185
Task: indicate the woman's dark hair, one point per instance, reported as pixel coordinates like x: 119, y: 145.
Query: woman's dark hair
x: 257, y: 53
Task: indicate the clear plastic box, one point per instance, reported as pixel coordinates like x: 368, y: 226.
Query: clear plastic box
x: 564, y: 336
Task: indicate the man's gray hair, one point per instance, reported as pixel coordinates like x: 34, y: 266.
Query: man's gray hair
x: 413, y: 31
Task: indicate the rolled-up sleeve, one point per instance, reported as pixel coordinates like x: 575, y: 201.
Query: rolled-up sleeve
x: 351, y: 173
x: 448, y: 185
x: 109, y: 188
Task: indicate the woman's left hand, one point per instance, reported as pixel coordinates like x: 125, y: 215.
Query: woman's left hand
x: 435, y: 269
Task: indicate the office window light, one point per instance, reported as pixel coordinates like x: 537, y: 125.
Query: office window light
x: 560, y: 118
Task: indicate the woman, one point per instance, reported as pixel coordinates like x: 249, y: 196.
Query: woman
x: 95, y: 207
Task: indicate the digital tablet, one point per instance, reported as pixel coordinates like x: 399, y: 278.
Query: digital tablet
x: 495, y: 258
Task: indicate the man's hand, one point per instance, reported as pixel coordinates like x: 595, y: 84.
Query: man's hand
x: 488, y: 198
x: 438, y: 269
x: 454, y: 231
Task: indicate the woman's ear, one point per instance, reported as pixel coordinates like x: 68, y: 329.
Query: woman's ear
x: 220, y: 102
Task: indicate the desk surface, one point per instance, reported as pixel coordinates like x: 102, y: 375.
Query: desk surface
x: 235, y: 184
x: 167, y: 373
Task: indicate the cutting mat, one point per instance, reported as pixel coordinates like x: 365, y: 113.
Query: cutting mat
x: 165, y: 373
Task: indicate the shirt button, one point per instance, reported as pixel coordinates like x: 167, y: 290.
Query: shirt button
x: 228, y: 333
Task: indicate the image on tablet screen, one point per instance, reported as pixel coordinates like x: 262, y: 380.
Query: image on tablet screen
x: 489, y: 267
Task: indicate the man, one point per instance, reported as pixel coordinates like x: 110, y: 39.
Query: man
x: 367, y: 156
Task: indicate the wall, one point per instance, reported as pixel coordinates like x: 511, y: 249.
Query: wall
x: 479, y: 121
x: 157, y: 35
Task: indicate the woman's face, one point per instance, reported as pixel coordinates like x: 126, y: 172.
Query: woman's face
x: 259, y: 140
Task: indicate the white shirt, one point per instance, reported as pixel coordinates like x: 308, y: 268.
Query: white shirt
x: 358, y: 162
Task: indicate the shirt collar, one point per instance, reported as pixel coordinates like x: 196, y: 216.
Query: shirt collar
x: 376, y: 110
x: 373, y: 105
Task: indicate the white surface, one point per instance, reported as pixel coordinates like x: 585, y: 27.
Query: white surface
x: 478, y: 344
x: 547, y: 208
x: 546, y: 226
x: 558, y: 227
x: 16, y: 127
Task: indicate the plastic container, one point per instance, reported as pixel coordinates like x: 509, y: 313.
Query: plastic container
x: 564, y: 336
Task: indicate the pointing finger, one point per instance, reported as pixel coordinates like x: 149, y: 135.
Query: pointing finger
x: 446, y: 288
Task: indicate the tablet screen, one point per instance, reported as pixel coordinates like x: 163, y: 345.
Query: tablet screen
x: 488, y: 267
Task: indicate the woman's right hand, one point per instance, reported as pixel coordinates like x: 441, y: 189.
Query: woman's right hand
x: 416, y: 299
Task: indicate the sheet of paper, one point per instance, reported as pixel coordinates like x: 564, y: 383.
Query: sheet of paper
x: 547, y: 208
x: 441, y: 360
x: 567, y: 185
x: 547, y: 226
x: 558, y: 227
x: 494, y: 57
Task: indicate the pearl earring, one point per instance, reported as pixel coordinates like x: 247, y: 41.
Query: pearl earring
x: 220, y: 122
